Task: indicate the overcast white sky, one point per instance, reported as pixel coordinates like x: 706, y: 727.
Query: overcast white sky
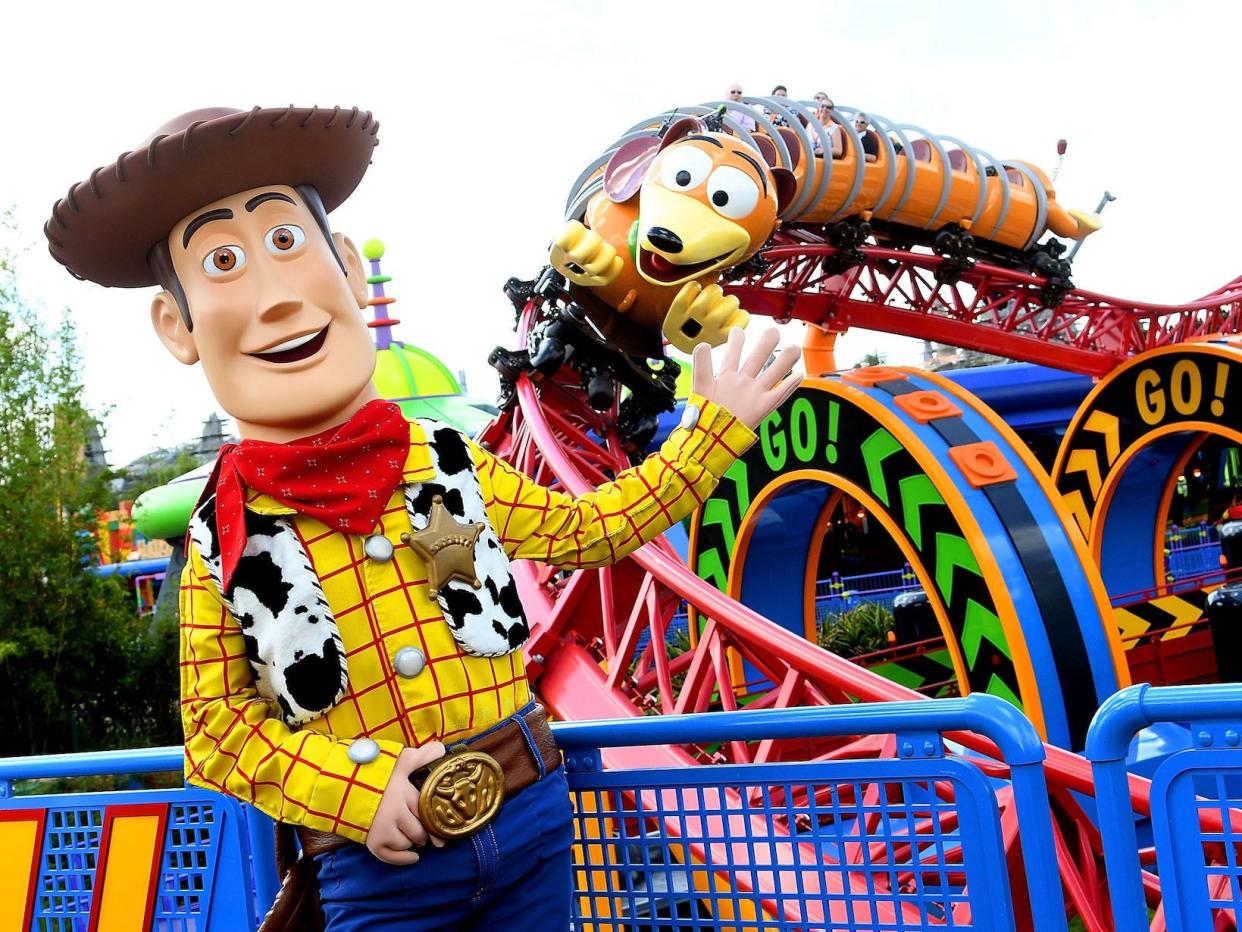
x: 489, y: 111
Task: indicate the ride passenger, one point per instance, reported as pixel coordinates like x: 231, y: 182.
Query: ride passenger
x: 870, y: 141
x: 740, y: 117
x: 836, y: 139
x: 777, y: 120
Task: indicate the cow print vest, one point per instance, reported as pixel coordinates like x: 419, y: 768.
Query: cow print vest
x: 291, y: 637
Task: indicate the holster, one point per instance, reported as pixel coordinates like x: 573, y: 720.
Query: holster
x: 296, y: 907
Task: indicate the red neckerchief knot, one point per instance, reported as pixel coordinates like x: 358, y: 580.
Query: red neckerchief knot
x: 343, y: 477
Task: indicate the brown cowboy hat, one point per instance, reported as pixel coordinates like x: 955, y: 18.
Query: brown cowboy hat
x: 103, y: 229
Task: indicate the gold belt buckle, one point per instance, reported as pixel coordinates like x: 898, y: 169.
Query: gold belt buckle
x: 462, y: 793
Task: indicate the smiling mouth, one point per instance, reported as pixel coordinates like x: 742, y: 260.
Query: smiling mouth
x: 293, y: 350
x: 660, y: 269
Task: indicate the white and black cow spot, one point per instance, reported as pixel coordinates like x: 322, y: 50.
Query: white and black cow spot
x: 290, y: 636
x: 312, y: 680
x: 451, y: 451
x: 427, y: 491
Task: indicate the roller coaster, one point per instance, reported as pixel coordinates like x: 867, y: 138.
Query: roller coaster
x: 996, y: 542
x: 1023, y: 567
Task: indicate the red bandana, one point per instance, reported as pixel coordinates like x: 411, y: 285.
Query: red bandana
x: 343, y: 476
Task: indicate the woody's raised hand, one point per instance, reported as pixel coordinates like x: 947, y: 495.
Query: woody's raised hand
x: 748, y: 390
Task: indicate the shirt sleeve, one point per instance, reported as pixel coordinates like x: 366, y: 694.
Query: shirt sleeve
x: 236, y: 744
x: 604, y: 525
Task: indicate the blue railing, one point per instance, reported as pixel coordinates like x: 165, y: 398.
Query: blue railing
x: 1196, y: 805
x: 908, y: 843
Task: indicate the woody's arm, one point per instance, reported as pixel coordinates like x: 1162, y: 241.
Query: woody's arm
x: 235, y: 743
x: 604, y: 525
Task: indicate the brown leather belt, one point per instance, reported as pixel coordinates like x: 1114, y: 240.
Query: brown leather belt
x: 461, y: 792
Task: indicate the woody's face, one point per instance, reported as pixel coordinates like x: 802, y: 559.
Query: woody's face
x: 276, y: 321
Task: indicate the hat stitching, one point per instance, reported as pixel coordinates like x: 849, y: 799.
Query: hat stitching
x: 245, y: 121
x: 56, y: 214
x: 120, y: 172
x: 72, y: 202
x: 352, y: 116
x: 94, y: 185
x: 50, y: 238
x: 366, y: 121
x: 151, y: 149
x: 310, y: 116
x: 284, y: 116
x: 189, y: 131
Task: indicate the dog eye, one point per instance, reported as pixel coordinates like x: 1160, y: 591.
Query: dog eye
x: 732, y: 192
x: 284, y: 238
x: 224, y: 260
x: 684, y: 167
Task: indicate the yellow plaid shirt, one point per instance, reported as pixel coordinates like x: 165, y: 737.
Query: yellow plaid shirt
x: 235, y: 741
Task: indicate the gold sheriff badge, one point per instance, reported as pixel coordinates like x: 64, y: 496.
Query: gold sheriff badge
x: 447, y: 547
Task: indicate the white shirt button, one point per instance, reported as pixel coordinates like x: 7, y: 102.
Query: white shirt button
x: 378, y: 547
x: 363, y: 751
x: 409, y: 662
x: 690, y: 417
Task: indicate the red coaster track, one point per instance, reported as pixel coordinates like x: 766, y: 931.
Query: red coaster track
x: 990, y: 308
x: 599, y: 648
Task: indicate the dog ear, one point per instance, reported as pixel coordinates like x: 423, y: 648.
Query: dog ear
x: 624, y: 174
x: 683, y: 127
x: 786, y: 188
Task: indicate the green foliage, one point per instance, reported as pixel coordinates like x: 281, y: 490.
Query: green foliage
x: 860, y: 630
x: 78, y: 669
x: 874, y: 358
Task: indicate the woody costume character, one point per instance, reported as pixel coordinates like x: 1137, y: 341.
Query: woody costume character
x: 347, y: 608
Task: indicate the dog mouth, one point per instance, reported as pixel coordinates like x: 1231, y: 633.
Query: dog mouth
x: 295, y: 349
x: 660, y: 269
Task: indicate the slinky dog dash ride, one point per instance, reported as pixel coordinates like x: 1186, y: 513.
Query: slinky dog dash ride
x: 713, y: 180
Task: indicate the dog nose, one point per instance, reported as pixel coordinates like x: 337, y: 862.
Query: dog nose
x: 663, y: 239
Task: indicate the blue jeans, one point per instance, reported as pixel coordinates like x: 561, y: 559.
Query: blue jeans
x: 514, y: 875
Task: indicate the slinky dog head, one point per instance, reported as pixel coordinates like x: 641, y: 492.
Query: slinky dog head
x: 707, y: 201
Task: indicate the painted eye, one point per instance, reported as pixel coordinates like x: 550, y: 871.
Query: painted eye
x: 684, y: 168
x: 732, y: 192
x: 224, y: 260
x: 284, y: 238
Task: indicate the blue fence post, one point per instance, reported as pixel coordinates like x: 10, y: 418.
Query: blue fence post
x: 1108, y: 742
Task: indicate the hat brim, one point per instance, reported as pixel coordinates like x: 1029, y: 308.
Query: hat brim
x: 105, y: 227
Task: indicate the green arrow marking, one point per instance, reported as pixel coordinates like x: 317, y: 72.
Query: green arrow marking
x: 875, y: 449
x: 998, y: 687
x: 952, y: 550
x: 899, y: 674
x: 716, y: 511
x: 981, y: 623
x: 916, y: 491
x: 711, y: 569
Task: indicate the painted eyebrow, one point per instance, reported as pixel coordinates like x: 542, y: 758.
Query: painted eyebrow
x: 715, y: 142
x: 192, y: 227
x: 758, y: 170
x: 267, y: 196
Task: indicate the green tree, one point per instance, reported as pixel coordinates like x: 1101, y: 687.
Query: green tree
x: 78, y: 669
x: 874, y: 358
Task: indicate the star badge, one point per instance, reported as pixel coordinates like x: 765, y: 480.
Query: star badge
x: 447, y: 547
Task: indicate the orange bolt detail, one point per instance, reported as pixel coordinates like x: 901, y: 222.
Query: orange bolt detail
x: 869, y: 376
x: 926, y: 406
x: 982, y: 463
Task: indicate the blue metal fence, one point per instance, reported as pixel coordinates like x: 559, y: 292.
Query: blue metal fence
x: 1196, y: 806
x: 909, y: 843
x: 912, y: 843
